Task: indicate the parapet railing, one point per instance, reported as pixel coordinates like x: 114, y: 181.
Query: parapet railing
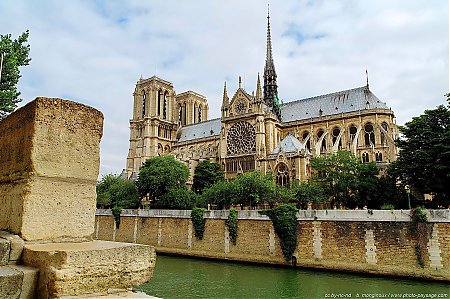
x: 306, y: 215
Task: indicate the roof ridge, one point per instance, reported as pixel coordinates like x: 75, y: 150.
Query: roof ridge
x: 325, y: 95
x: 202, y: 122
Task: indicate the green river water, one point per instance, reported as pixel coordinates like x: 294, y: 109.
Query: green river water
x: 179, y: 277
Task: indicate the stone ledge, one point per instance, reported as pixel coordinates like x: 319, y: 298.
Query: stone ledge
x: 305, y: 215
x: 89, y: 267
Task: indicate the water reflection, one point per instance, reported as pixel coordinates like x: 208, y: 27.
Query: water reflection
x: 177, y: 277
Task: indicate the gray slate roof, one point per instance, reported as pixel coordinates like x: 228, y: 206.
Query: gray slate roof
x: 201, y: 130
x: 350, y: 100
x: 289, y: 144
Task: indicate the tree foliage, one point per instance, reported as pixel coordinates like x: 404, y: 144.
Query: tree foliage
x: 248, y: 189
x: 115, y: 191
x: 346, y: 180
x: 425, y: 154
x: 177, y: 198
x: 308, y: 192
x: 160, y: 174
x: 255, y: 188
x: 15, y: 54
x: 206, y: 174
x: 223, y: 194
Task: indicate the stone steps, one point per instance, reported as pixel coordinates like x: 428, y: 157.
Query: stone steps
x: 10, y: 282
x: 16, y: 281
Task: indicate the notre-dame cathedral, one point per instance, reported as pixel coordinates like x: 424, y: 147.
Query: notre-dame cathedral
x: 256, y: 131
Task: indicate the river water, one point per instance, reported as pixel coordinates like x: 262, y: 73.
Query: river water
x: 179, y: 277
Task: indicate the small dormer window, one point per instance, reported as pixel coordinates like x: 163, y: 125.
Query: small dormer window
x: 320, y: 112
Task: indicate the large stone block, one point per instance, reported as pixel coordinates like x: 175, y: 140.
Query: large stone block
x: 10, y: 283
x: 30, y: 277
x: 49, y: 161
x: 16, y: 246
x: 89, y: 267
x: 5, y: 248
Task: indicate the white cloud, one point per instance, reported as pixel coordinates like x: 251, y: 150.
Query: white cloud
x: 95, y: 51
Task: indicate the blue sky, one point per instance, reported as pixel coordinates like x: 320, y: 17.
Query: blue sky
x: 95, y: 51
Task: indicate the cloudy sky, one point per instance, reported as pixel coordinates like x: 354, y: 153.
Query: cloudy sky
x: 95, y: 51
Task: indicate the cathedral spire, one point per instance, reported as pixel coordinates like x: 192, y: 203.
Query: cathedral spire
x: 269, y: 58
x: 270, y: 76
x: 225, y: 101
x: 258, y: 89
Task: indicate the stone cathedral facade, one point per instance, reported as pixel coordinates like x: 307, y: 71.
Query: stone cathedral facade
x: 256, y: 131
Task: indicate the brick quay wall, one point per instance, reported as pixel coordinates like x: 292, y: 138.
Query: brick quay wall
x: 376, y: 242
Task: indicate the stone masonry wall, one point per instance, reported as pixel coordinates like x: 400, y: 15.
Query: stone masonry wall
x: 378, y: 243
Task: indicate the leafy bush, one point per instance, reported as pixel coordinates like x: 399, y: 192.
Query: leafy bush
x: 284, y: 220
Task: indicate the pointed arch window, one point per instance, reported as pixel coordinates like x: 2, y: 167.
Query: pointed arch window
x: 369, y: 135
x: 184, y: 114
x: 365, y: 157
x: 352, y: 132
x: 144, y: 103
x: 159, y: 101
x: 180, y: 113
x: 199, y: 113
x: 194, y: 113
x: 282, y: 175
x: 165, y: 105
x: 379, y: 157
x: 336, y: 132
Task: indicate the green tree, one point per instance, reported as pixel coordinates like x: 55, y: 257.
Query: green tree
x: 177, y: 198
x: 206, y: 174
x: 115, y: 191
x: 337, y: 174
x: 15, y: 54
x: 389, y: 193
x: 308, y: 192
x: 255, y: 188
x: 424, y: 157
x: 367, y: 185
x: 223, y: 194
x: 160, y: 174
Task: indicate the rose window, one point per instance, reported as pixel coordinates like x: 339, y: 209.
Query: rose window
x: 241, y: 139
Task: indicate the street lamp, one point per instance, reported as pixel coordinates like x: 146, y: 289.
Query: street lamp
x: 408, y: 192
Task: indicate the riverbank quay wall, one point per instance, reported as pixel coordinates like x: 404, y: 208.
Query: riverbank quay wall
x: 378, y: 242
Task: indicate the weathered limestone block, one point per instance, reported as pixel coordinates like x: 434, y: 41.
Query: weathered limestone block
x: 29, y: 280
x: 5, y: 248
x: 10, y: 283
x: 16, y: 246
x: 49, y: 161
x: 89, y: 267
